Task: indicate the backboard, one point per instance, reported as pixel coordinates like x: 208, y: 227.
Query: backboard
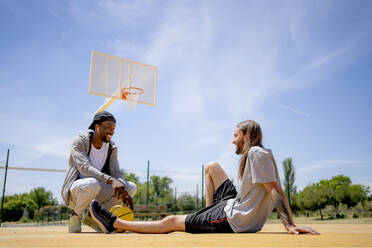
x: 122, y: 79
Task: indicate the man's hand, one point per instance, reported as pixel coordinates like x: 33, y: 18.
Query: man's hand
x: 128, y: 201
x: 302, y: 230
x: 120, y: 192
x: 119, y: 188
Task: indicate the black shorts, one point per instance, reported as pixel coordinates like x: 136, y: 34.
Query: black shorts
x: 212, y: 219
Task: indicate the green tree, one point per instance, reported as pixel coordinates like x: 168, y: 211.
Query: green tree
x: 161, y: 190
x: 342, y: 191
x: 351, y: 195
x: 289, y: 179
x: 14, y: 206
x: 369, y: 198
x: 42, y: 197
x: 140, y: 196
x: 130, y: 177
x: 186, y: 202
x: 314, y: 198
x: 338, y: 190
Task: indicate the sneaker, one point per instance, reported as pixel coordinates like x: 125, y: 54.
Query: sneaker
x: 87, y: 220
x: 102, y: 216
x: 74, y: 224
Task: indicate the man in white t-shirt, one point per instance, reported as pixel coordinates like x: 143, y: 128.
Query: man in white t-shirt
x: 227, y: 210
x: 94, y: 173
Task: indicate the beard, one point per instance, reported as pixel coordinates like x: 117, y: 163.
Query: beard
x: 239, y: 147
x: 106, y: 139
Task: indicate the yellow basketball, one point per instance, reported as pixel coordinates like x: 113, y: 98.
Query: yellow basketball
x: 122, y: 212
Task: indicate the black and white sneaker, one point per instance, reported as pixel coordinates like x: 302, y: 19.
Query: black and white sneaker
x: 102, y: 216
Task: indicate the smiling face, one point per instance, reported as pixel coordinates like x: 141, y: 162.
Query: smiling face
x: 105, y: 130
x: 239, y: 140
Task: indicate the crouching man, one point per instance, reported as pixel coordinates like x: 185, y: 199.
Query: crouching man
x: 94, y: 173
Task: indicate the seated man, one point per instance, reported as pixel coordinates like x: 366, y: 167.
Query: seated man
x: 227, y: 210
x: 94, y: 173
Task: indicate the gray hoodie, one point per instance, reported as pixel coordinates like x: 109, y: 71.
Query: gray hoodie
x: 78, y: 163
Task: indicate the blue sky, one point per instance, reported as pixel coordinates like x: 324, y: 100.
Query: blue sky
x: 302, y: 69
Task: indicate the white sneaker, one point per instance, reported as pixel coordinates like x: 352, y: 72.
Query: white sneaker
x: 87, y: 220
x: 74, y: 224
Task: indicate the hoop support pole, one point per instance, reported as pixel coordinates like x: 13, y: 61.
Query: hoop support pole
x: 105, y: 105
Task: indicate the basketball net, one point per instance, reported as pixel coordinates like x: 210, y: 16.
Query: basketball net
x: 132, y: 102
x: 131, y: 95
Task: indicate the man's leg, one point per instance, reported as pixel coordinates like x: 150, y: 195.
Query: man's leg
x: 168, y: 224
x: 214, y: 177
x: 82, y: 192
x: 109, y: 222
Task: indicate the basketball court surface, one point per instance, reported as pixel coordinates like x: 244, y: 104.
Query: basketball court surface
x: 272, y: 235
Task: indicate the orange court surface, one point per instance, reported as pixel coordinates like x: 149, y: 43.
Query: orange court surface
x: 272, y: 235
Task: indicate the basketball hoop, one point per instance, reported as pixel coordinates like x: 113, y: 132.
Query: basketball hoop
x: 131, y: 95
x: 122, y: 79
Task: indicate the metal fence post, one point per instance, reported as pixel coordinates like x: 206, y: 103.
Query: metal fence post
x: 202, y: 193
x: 2, y: 199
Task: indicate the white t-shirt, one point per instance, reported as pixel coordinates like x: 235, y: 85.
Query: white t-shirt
x: 249, y: 210
x: 97, y: 157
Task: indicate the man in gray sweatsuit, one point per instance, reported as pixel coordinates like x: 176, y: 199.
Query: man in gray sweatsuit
x: 94, y: 173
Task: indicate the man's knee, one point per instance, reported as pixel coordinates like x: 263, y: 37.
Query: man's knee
x: 169, y: 220
x: 174, y: 223
x: 90, y: 186
x: 211, y: 166
x: 82, y: 192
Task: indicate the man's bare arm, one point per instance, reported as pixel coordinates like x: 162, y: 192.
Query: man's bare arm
x: 281, y: 205
x: 284, y: 211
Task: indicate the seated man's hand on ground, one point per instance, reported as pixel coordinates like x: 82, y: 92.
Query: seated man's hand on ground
x: 302, y: 230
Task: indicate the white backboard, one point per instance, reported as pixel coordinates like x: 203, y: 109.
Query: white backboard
x: 110, y: 74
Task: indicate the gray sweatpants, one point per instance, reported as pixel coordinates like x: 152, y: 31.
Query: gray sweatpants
x: 84, y: 190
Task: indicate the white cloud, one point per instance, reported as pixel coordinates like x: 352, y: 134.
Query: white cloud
x: 294, y: 110
x: 130, y: 14
x: 30, y: 126
x: 56, y: 146
x: 207, y: 62
x: 326, y: 58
